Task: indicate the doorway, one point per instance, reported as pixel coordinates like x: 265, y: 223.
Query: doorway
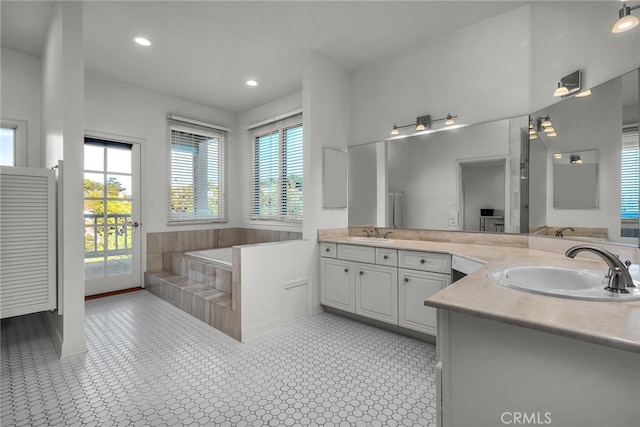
x: 484, y: 199
x: 111, y: 216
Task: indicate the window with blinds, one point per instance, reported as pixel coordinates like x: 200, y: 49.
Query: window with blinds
x: 197, y: 174
x: 630, y: 183
x: 276, y: 171
x: 7, y: 146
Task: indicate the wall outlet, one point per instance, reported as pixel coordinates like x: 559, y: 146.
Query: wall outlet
x: 453, y: 219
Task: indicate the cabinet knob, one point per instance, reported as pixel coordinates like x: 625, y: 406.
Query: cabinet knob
x: 422, y: 261
x: 406, y: 280
x: 386, y: 257
x: 327, y: 250
x: 361, y: 272
x: 346, y: 270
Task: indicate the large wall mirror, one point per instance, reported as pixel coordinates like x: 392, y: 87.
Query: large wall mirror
x: 512, y: 175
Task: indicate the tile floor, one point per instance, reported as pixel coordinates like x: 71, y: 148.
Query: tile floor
x: 149, y: 363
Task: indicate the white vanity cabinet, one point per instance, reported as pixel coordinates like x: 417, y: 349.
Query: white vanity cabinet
x: 413, y: 288
x: 377, y: 292
x: 385, y: 284
x: 338, y: 288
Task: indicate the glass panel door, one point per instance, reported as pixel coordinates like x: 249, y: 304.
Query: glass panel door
x: 111, y: 216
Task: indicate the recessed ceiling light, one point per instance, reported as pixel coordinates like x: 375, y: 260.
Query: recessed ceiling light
x: 142, y: 41
x: 252, y: 83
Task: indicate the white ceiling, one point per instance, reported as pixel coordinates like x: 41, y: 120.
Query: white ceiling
x: 204, y: 51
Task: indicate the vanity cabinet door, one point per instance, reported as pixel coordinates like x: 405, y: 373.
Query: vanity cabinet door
x: 414, y: 288
x: 337, y: 284
x: 377, y: 292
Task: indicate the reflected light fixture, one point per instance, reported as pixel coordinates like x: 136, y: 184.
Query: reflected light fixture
x: 544, y: 125
x: 424, y: 123
x: 569, y: 84
x: 557, y: 156
x: 583, y: 93
x: 626, y: 20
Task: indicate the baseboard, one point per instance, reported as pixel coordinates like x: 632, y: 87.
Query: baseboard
x: 54, y: 333
x: 261, y: 328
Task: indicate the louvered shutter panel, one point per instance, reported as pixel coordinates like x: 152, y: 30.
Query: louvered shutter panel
x: 27, y: 241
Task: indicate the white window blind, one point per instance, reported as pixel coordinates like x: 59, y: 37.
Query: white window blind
x: 630, y: 185
x: 276, y: 171
x: 197, y: 174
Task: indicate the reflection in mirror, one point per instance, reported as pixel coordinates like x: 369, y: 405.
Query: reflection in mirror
x: 605, y: 121
x: 575, y: 180
x: 423, y: 181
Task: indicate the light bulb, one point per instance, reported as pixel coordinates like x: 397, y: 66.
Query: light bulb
x: 395, y: 130
x: 583, y: 93
x: 142, y: 41
x: 561, y: 91
x: 546, y: 122
x: 626, y: 21
x: 449, y: 120
x: 420, y: 127
x: 533, y: 135
x: 549, y: 129
x: 552, y: 133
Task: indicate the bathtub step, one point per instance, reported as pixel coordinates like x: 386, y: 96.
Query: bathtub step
x: 208, y: 304
x: 199, y: 270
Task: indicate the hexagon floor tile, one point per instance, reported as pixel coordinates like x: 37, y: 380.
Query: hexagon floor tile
x: 150, y: 364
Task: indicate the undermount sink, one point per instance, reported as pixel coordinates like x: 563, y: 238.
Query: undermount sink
x: 376, y: 240
x: 559, y: 282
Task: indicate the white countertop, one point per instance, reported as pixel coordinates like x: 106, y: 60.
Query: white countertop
x: 612, y: 324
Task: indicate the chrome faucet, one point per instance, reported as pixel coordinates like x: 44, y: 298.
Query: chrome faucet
x: 560, y: 230
x: 375, y: 232
x: 619, y: 277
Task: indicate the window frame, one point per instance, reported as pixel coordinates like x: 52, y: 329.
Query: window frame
x: 19, y: 141
x: 219, y: 133
x: 280, y: 127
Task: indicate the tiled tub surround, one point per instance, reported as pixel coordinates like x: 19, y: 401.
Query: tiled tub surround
x: 205, y: 289
x: 193, y: 240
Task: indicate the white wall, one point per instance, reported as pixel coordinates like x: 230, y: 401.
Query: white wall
x: 21, y: 88
x: 284, y: 105
x: 264, y: 277
x: 479, y: 73
x: 326, y: 124
x: 120, y: 109
x: 567, y: 36
x: 62, y: 128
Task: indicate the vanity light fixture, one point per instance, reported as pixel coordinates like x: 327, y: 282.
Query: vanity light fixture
x: 424, y: 123
x: 626, y: 20
x: 569, y: 84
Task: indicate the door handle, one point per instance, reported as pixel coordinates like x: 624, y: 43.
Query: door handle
x: 135, y: 224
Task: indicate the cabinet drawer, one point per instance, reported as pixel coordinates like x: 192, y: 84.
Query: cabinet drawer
x: 328, y: 250
x: 425, y: 261
x: 387, y: 257
x: 357, y: 253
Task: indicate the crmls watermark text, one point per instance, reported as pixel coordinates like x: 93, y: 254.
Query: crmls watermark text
x: 526, y: 418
